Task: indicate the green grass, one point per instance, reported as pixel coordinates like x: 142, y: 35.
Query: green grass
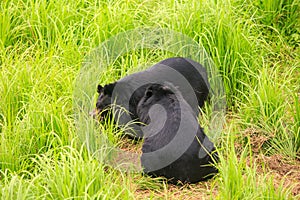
x: 254, y: 44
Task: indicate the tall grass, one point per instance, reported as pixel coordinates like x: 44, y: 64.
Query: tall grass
x: 239, y: 177
x: 65, y: 173
x: 254, y: 44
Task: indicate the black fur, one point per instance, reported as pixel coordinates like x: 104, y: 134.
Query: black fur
x: 191, y: 74
x: 194, y: 163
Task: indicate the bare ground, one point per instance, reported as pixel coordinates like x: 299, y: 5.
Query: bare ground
x: 281, y: 169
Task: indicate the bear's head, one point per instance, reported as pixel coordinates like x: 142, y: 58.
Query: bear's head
x: 103, y: 100
x: 154, y: 94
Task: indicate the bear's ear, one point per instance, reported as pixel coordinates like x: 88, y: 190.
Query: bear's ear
x: 99, y: 89
x: 165, y: 89
x: 108, y: 89
x: 168, y: 88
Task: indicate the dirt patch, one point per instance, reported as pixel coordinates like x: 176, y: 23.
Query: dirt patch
x: 202, y: 190
x: 275, y: 165
x: 126, y: 157
x: 257, y: 139
x: 282, y: 170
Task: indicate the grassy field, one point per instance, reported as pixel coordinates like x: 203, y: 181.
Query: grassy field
x: 43, y: 43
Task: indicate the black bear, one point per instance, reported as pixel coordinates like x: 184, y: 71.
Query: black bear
x: 189, y: 76
x: 175, y: 145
